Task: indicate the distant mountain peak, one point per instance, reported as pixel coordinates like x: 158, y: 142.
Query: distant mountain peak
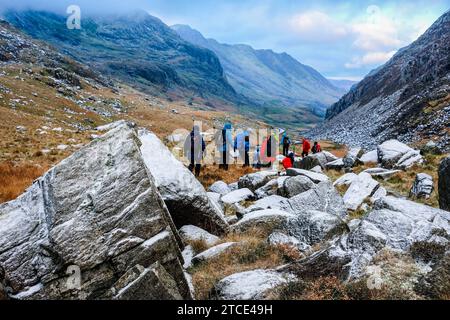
x: 270, y: 78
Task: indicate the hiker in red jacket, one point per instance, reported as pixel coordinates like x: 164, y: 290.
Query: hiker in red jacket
x: 316, y: 148
x: 306, y: 147
x: 288, y: 162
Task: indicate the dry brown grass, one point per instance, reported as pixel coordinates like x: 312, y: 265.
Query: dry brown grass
x: 254, y: 252
x: 15, y: 179
x: 211, y: 174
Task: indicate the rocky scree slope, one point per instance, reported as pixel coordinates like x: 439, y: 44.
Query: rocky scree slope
x: 408, y: 98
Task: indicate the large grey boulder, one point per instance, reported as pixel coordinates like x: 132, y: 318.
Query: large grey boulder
x: 323, y: 197
x: 296, y: 185
x: 250, y: 285
x: 394, y: 154
x: 313, y: 227
x: 313, y: 176
x: 360, y: 189
x: 98, y: 215
x: 192, y: 233
x: 444, y: 184
x: 321, y: 158
x: 256, y: 180
x: 307, y: 163
x: 423, y: 186
x: 185, y: 197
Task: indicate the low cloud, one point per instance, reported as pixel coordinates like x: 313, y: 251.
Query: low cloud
x: 370, y: 59
x: 317, y: 26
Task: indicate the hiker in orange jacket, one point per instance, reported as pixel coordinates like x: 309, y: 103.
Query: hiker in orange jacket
x: 306, y: 147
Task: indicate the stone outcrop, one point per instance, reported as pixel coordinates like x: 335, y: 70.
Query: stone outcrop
x: 423, y: 186
x: 352, y: 157
x: 185, y: 197
x: 296, y: 185
x: 192, y: 233
x: 220, y: 187
x: 394, y: 154
x: 444, y: 184
x: 313, y: 176
x: 93, y: 227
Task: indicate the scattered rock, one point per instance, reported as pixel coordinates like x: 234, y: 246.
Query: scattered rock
x: 431, y: 148
x: 279, y: 238
x: 192, y: 233
x: 273, y: 187
x: 188, y: 253
x: 249, y: 285
x: 256, y: 180
x: 307, y: 163
x: 346, y: 179
x: 270, y: 218
x: 238, y: 196
x: 335, y: 165
x: 423, y: 186
x: 213, y: 252
x: 381, y: 172
x: 270, y: 202
x: 360, y: 189
x: 409, y: 159
x: 317, y: 169
x: 352, y: 157
x: 296, y: 185
x: 370, y: 157
x: 314, y: 177
x: 233, y: 186
x: 183, y: 194
x: 220, y: 187
x: 391, y: 151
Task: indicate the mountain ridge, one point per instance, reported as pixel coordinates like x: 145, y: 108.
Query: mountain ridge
x: 269, y: 76
x: 407, y: 98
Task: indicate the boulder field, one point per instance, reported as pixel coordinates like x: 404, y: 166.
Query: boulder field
x: 122, y: 218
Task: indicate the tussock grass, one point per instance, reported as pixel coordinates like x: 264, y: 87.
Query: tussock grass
x: 254, y: 252
x: 15, y: 179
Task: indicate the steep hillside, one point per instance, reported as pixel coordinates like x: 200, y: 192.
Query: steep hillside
x: 137, y: 48
x: 268, y: 77
x: 345, y: 85
x: 408, y: 98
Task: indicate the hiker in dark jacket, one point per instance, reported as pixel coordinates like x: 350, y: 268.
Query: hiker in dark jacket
x: 286, y: 143
x: 224, y: 144
x: 194, y: 147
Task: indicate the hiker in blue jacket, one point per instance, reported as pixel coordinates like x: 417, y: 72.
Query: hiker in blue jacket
x: 242, y: 143
x: 286, y: 143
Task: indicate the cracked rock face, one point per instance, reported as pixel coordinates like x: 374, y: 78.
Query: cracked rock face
x: 99, y: 213
x: 185, y: 197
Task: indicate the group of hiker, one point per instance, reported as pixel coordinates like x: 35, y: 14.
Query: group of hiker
x: 264, y: 154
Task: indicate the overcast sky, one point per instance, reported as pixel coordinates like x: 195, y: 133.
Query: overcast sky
x: 341, y: 39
